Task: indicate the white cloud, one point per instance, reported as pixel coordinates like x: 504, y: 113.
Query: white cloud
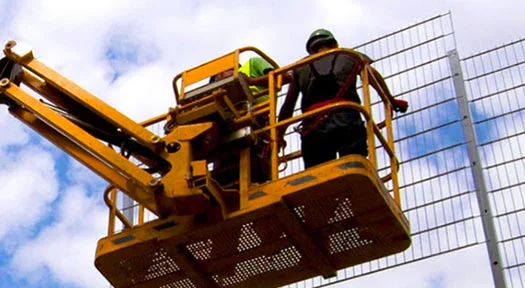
x: 13, y: 133
x: 66, y: 247
x: 133, y: 92
x: 78, y: 174
x: 29, y: 186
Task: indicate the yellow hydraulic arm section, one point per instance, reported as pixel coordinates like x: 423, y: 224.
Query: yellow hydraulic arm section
x: 79, y: 123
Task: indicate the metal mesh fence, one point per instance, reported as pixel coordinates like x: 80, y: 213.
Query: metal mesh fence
x: 495, y: 81
x: 437, y: 189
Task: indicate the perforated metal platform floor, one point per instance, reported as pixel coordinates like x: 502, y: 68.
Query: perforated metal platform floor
x: 335, y: 216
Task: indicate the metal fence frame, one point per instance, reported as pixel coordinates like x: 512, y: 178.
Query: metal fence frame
x: 495, y: 82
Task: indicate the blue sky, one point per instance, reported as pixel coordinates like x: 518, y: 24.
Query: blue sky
x: 127, y: 54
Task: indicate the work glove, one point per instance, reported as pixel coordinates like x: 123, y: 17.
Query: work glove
x: 400, y: 105
x: 281, y: 143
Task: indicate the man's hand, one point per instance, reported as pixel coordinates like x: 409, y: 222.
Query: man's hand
x: 281, y: 143
x: 400, y: 105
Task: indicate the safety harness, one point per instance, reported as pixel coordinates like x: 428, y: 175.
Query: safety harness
x: 327, y: 81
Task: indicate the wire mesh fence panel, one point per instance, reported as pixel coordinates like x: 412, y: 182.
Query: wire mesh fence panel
x: 437, y: 189
x: 496, y: 89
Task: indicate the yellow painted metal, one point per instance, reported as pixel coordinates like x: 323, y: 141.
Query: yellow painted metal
x: 393, y: 159
x: 83, y: 97
x: 316, y: 112
x: 389, y: 146
x: 273, y: 132
x: 258, y: 52
x: 141, y: 215
x: 113, y: 199
x: 105, y: 161
x: 369, y: 121
x: 154, y: 120
x: 204, y: 71
x: 335, y: 215
x: 199, y: 168
x: 244, y: 176
x: 110, y: 199
x: 228, y: 103
x: 248, y: 119
x: 387, y: 143
x: 192, y: 115
x: 208, y: 69
x: 84, y: 156
x: 50, y: 93
x: 288, y: 217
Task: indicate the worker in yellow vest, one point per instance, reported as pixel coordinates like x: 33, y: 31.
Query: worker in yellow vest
x: 256, y: 70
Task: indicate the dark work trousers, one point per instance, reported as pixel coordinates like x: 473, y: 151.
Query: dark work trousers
x: 342, y: 132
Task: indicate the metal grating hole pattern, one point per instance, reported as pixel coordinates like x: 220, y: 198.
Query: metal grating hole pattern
x: 286, y: 258
x: 162, y: 264
x: 231, y: 241
x: 201, y: 250
x: 326, y: 209
x: 346, y: 240
x: 299, y: 211
x: 128, y: 265
x: 144, y: 267
x: 249, y: 238
x: 185, y: 283
x: 343, y: 211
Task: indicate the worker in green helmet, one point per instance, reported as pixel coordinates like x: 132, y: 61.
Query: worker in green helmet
x: 325, y: 81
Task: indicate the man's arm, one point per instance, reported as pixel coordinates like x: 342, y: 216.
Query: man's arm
x: 378, y: 82
x: 288, y: 105
x: 263, y: 80
x: 256, y: 69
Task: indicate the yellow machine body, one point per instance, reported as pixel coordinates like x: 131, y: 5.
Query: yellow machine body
x: 214, y: 227
x: 313, y: 223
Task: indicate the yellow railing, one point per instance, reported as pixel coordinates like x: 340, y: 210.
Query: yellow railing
x: 110, y: 194
x: 214, y: 67
x: 275, y: 78
x: 373, y: 129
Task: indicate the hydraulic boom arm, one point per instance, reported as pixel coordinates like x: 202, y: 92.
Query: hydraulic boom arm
x: 80, y: 124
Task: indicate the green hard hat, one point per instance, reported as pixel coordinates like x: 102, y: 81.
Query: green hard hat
x: 319, y: 35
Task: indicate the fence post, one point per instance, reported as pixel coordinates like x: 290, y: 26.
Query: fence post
x: 482, y: 198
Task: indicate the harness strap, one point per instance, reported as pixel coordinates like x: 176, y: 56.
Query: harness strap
x: 304, y: 130
x: 316, y: 73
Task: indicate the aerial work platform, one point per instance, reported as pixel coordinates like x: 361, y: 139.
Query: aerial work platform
x: 214, y: 226
x: 312, y: 223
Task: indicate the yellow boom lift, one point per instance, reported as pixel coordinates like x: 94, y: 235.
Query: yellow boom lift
x: 212, y: 229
